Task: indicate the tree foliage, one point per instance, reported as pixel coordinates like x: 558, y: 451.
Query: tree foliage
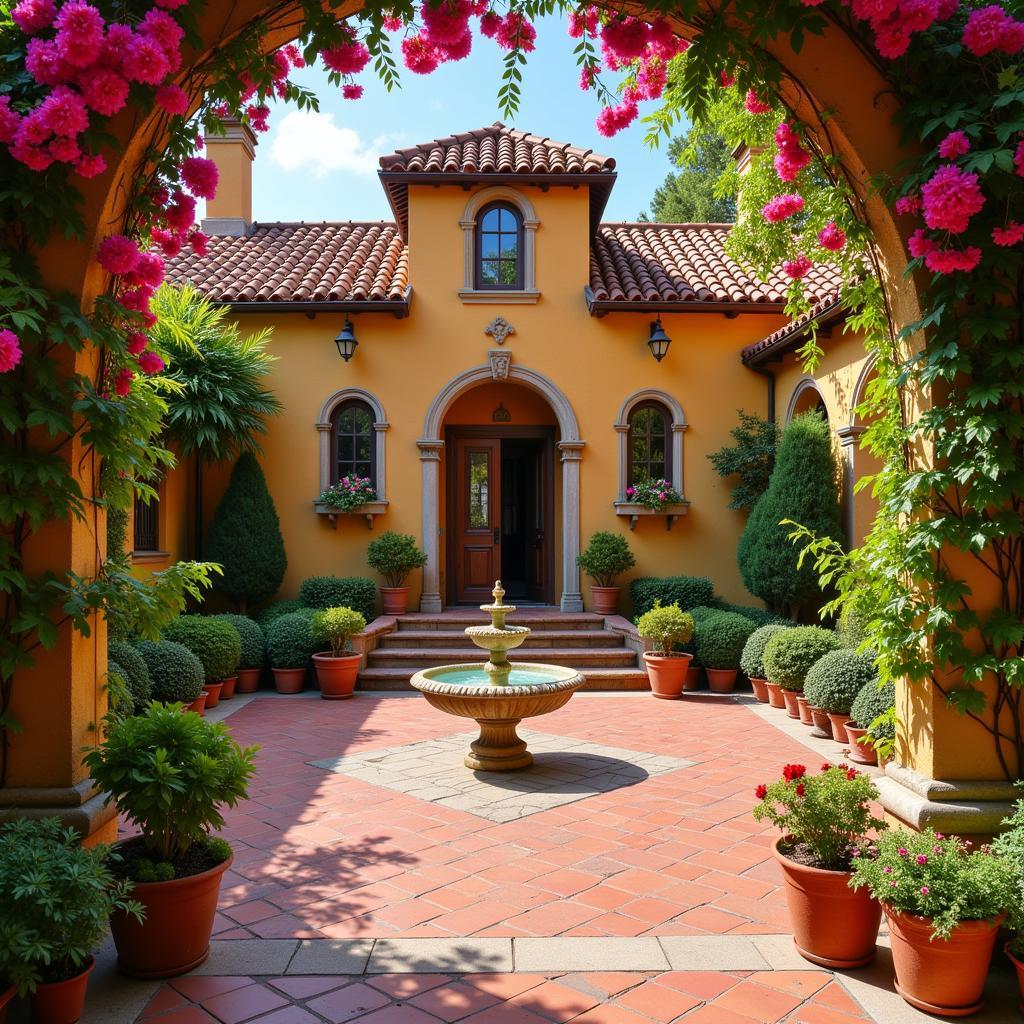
x: 751, y: 459
x: 700, y: 191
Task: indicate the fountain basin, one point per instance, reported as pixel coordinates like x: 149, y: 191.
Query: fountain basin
x: 466, y: 691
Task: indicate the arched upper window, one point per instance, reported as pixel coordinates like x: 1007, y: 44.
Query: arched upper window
x: 499, y: 247
x: 650, y: 443
x: 353, y: 444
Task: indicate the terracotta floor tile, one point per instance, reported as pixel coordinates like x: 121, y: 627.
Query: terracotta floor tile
x: 166, y: 999
x: 199, y: 988
x: 798, y: 983
x: 504, y: 986
x: 242, y: 1004
x: 405, y: 986
x: 555, y: 1001
x: 610, y: 1013
x: 185, y: 1015
x: 348, y: 1003
x: 835, y: 997
x: 453, y: 1001
x: 307, y: 986
x: 288, y: 1015
x: 658, y: 1001
x: 610, y: 983
x: 758, y: 1002
x: 816, y: 1014
x: 706, y: 985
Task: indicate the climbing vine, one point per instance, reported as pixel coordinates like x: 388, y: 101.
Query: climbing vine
x: 81, y: 390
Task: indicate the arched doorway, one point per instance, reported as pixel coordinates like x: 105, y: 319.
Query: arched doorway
x: 806, y: 397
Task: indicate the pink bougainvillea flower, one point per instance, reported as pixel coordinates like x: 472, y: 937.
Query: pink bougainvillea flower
x: 783, y: 207
x: 753, y: 104
x: 626, y: 37
x: 10, y: 350
x: 45, y: 64
x: 986, y: 28
x: 908, y: 204
x: 32, y: 16
x: 9, y: 120
x: 137, y: 342
x: 149, y: 271
x: 951, y: 198
x: 613, y: 119
x: 348, y: 58
x: 198, y: 241
x: 91, y: 165
x: 64, y: 112
x: 105, y: 91
x: 162, y: 28
x: 832, y: 237
x: 446, y: 21
x: 123, y: 382
x: 259, y: 117
x: 489, y: 24
x: 791, y: 157
x: 136, y: 299
x: 65, y: 150
x: 798, y: 268
x: 393, y: 24
x: 171, y: 5
x: 1009, y: 235
x: 953, y: 145
x: 419, y: 56
x: 150, y: 362
x: 516, y: 32
x: 351, y: 91
x: 118, y: 254
x: 946, y: 261
x: 727, y: 79
x: 173, y: 99
x: 1018, y: 159
x: 920, y: 244
x: 588, y: 76
x: 79, y: 33
x: 144, y: 61
x: 892, y: 38
x: 200, y: 176
x: 581, y: 22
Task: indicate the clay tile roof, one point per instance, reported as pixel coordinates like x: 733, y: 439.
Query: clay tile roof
x: 343, y: 263
x: 824, y: 311
x: 683, y: 263
x: 495, y: 149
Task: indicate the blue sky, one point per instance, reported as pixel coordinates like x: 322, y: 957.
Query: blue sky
x: 323, y: 166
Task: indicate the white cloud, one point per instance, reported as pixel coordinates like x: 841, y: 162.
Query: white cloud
x: 311, y: 141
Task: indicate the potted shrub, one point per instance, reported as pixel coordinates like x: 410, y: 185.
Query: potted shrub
x: 170, y: 775
x: 606, y: 557
x: 695, y: 669
x: 824, y: 819
x: 752, y: 662
x: 394, y: 556
x: 871, y: 724
x: 134, y: 672
x: 944, y: 904
x: 789, y: 655
x: 290, y: 645
x: 1010, y: 846
x: 666, y: 668
x: 719, y: 640
x: 216, y: 644
x: 833, y: 682
x: 251, y: 663
x: 356, y: 592
x: 175, y: 672
x: 57, y: 897
x: 336, y: 672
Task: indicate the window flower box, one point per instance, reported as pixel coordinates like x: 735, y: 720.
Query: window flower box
x: 369, y: 510
x: 670, y: 512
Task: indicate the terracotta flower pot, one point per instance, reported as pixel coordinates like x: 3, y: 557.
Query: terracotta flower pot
x: 945, y: 977
x: 666, y: 674
x: 198, y: 705
x: 839, y: 726
x: 227, y: 687
x: 822, y: 724
x: 212, y: 691
x: 337, y: 676
x: 775, y: 698
x: 721, y: 680
x: 1019, y: 967
x: 792, y: 708
x: 289, y: 680
x: 5, y: 997
x: 760, y: 687
x: 692, y: 679
x: 606, y: 600
x: 862, y: 753
x: 833, y: 926
x: 174, y: 937
x: 61, y: 1002
x: 805, y: 709
x: 248, y: 680
x: 396, y: 600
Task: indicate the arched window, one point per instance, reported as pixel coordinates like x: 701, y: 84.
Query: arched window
x: 650, y: 443
x: 353, y: 444
x: 499, y: 247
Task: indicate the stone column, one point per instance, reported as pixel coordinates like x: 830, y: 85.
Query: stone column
x: 849, y: 439
x: 430, y: 462
x: 572, y: 453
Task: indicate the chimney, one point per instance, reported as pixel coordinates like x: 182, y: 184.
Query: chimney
x: 231, y: 212
x: 744, y: 156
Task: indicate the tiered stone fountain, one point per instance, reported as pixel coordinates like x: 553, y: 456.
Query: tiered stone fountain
x: 497, y: 694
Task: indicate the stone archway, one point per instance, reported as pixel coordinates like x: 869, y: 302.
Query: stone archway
x: 570, y: 447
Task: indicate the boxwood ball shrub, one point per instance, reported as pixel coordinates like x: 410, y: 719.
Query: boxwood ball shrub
x: 606, y: 557
x: 686, y: 591
x: 176, y: 673
x: 134, y: 672
x: 789, y: 655
x: 356, y: 592
x: 213, y: 641
x: 276, y: 610
x: 666, y: 627
x: 291, y: 641
x: 872, y: 702
x: 394, y: 556
x: 720, y: 638
x: 335, y: 627
x: 759, y: 616
x: 752, y: 656
x: 251, y: 637
x: 834, y: 681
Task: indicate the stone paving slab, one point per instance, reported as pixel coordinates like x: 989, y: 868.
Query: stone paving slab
x: 456, y: 956
x: 331, y: 956
x: 590, y: 954
x: 565, y: 770
x: 716, y: 953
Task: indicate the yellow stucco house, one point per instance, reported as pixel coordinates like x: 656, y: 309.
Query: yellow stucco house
x: 504, y: 391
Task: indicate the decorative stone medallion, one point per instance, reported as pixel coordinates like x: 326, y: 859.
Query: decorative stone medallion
x: 500, y: 363
x: 499, y: 329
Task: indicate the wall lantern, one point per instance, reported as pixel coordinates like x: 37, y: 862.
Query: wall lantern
x: 659, y: 341
x: 346, y: 341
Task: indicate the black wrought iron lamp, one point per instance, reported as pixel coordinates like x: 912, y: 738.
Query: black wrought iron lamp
x: 346, y: 341
x: 659, y: 341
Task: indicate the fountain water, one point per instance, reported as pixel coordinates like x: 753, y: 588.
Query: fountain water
x: 496, y: 694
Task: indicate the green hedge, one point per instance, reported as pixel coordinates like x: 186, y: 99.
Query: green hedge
x: 177, y: 674
x: 835, y: 680
x: 290, y: 640
x: 758, y: 615
x: 686, y: 591
x: 752, y: 658
x: 355, y: 592
x: 213, y: 641
x: 719, y: 639
x: 251, y: 636
x: 789, y: 655
x: 134, y: 672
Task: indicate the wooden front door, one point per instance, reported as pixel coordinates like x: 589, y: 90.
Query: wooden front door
x: 476, y: 520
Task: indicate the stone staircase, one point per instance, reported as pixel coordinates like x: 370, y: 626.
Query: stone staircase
x: 577, y: 640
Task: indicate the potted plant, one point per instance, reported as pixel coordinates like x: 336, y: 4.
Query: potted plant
x: 871, y: 727
x: 606, y: 557
x: 336, y: 672
x: 394, y: 556
x: 175, y: 673
x: 944, y: 903
x: 833, y: 683
x: 752, y: 661
x: 56, y: 898
x: 350, y: 493
x: 824, y: 819
x: 719, y: 640
x: 216, y: 644
x: 290, y: 645
x: 170, y: 775
x: 1010, y: 846
x: 789, y: 655
x: 251, y: 663
x: 654, y: 494
x: 665, y: 627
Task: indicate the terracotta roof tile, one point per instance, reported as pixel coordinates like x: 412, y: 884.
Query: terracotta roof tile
x: 825, y: 309
x: 495, y: 149
x: 645, y: 263
x: 344, y: 262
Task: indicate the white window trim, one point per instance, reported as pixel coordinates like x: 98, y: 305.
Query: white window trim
x: 380, y: 428
x: 469, y: 293
x: 677, y: 425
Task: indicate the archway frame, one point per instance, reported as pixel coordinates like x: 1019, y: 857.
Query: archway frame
x: 380, y: 428
x: 805, y: 384
x: 677, y: 427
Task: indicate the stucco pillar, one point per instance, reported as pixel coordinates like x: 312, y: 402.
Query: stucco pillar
x: 430, y: 463
x: 849, y: 439
x: 572, y: 454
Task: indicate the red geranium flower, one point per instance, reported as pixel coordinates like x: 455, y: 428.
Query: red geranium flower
x: 761, y: 792
x: 792, y: 772
x: 800, y: 789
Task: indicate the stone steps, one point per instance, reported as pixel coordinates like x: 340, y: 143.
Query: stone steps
x: 597, y: 678
x: 572, y: 657
x: 456, y: 639
x: 537, y: 619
